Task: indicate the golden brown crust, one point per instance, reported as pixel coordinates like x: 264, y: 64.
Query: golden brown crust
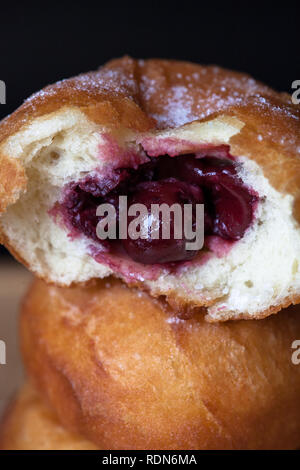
x: 130, y: 93
x: 123, y: 371
x: 30, y: 425
x: 155, y: 94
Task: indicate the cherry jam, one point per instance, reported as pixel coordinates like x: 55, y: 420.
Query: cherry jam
x: 213, y: 181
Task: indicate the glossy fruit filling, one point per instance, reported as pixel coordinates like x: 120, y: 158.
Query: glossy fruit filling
x: 228, y: 204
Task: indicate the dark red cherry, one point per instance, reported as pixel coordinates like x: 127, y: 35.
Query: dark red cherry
x: 229, y: 205
x: 153, y: 251
x: 233, y: 210
x: 205, y: 171
x: 100, y: 187
x: 80, y: 210
x: 225, y: 195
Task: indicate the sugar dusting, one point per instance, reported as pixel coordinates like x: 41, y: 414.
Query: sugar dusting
x: 187, y: 97
x: 176, y: 93
x: 104, y: 80
x: 179, y: 108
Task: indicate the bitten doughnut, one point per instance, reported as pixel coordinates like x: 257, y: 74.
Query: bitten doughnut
x: 30, y: 425
x: 121, y: 369
x: 165, y: 132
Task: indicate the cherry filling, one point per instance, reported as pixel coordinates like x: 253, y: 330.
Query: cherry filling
x: 228, y: 204
x: 163, y: 250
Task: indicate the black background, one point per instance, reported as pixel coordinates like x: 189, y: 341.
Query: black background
x: 44, y: 42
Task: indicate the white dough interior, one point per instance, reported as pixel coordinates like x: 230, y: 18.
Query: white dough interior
x: 260, y: 270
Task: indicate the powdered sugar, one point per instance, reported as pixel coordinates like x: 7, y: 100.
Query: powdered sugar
x: 191, y: 97
x: 179, y: 108
x: 113, y: 81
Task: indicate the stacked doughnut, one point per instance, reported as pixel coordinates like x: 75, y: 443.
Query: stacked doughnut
x: 126, y: 342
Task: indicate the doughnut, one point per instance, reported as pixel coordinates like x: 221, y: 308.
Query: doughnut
x: 159, y: 132
x: 123, y: 370
x: 30, y: 425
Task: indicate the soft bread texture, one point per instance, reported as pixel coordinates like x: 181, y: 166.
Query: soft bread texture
x: 122, y: 370
x: 29, y: 424
x: 61, y: 134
